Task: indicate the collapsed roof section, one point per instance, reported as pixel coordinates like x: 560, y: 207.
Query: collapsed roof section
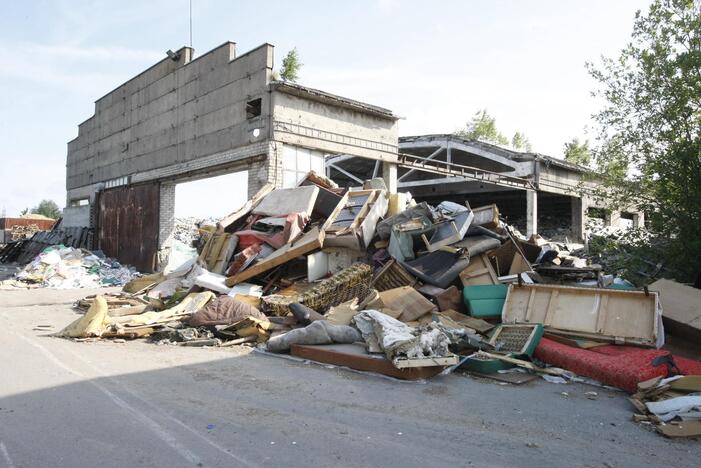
x: 449, y: 159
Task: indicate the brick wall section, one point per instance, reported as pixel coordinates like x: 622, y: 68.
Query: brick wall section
x: 266, y: 171
x: 166, y: 215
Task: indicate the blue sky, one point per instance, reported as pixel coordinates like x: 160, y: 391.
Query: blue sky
x: 434, y: 63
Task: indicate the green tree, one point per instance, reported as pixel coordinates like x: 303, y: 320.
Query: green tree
x: 520, y: 142
x: 47, y: 208
x: 290, y: 66
x: 483, y: 127
x: 578, y: 153
x: 651, y: 127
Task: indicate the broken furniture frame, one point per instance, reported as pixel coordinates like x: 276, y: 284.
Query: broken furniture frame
x: 352, y: 224
x: 619, y: 316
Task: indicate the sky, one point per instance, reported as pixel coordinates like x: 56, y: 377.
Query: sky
x: 433, y: 63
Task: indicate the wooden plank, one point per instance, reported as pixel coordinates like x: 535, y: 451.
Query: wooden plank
x: 529, y: 308
x: 603, y: 313
x: 309, y: 242
x: 356, y: 357
x: 284, y: 201
x: 552, y: 305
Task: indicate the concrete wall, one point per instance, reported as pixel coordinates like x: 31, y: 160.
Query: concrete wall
x: 173, y: 113
x: 76, y: 216
x: 333, y: 127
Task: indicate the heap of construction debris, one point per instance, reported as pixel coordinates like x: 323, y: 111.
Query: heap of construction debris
x: 375, y: 282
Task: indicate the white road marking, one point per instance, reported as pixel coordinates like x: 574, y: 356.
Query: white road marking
x: 157, y: 429
x: 6, y: 456
x: 162, y: 412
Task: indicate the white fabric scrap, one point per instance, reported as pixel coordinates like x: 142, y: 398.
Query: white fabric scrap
x: 384, y: 333
x: 686, y: 407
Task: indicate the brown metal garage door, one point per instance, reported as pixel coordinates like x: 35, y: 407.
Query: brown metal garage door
x: 128, y: 225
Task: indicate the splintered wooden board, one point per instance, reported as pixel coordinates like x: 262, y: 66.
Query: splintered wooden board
x: 608, y: 314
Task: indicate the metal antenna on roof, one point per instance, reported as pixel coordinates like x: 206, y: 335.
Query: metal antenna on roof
x: 190, y: 23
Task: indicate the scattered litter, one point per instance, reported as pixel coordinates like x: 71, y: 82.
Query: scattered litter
x: 554, y: 379
x: 63, y: 267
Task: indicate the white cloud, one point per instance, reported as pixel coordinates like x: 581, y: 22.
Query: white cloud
x: 41, y: 52
x: 387, y: 6
x: 87, y: 71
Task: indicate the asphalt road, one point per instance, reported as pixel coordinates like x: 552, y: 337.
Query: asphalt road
x: 104, y: 404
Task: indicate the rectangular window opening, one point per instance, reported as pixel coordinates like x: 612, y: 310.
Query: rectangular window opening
x: 254, y: 108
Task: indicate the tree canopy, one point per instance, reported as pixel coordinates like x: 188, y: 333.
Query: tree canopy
x: 520, y: 142
x: 650, y: 152
x: 291, y: 66
x: 577, y: 152
x: 483, y: 127
x: 47, y: 208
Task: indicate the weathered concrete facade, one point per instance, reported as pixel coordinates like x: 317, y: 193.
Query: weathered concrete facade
x: 188, y: 118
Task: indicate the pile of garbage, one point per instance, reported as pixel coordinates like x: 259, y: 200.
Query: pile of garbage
x: 19, y: 232
x: 375, y: 282
x: 188, y: 230
x: 64, y: 267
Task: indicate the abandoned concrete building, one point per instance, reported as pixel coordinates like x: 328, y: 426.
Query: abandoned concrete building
x: 188, y: 118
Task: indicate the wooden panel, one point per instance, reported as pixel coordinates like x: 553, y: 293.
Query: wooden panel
x: 355, y: 357
x: 608, y: 314
x: 128, y: 225
x: 479, y: 272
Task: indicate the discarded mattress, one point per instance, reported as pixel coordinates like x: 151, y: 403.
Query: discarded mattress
x: 619, y: 366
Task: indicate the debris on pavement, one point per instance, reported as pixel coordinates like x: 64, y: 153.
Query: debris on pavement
x: 672, y: 404
x: 64, y: 267
x: 375, y: 282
